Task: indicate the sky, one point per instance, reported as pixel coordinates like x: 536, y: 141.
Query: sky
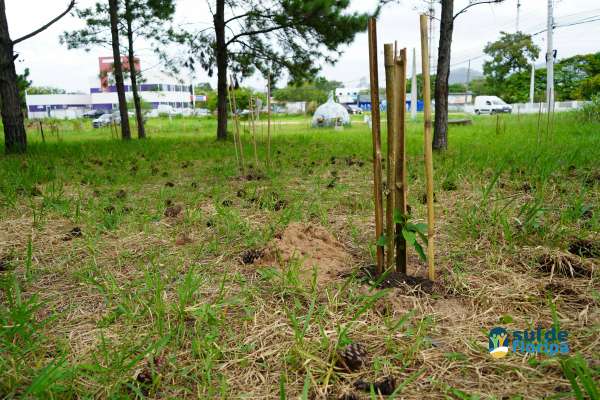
x: 52, y: 64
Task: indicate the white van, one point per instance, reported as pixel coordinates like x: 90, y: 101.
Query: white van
x: 490, y: 105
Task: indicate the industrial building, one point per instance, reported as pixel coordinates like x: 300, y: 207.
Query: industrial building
x: 104, y: 97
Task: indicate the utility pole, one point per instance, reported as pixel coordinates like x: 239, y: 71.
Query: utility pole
x: 518, y: 13
x: 532, y: 84
x: 414, y: 99
x: 467, y: 85
x: 550, y: 59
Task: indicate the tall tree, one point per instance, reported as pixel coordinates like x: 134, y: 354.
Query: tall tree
x: 139, y: 19
x: 440, y: 135
x: 113, y: 9
x: 15, y: 137
x: 276, y: 35
x: 513, y: 52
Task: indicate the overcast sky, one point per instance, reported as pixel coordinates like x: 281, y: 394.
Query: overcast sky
x: 51, y: 64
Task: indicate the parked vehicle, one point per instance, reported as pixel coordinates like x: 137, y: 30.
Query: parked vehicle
x: 490, y: 105
x: 353, y: 109
x: 106, y: 119
x: 201, y: 112
x: 93, y: 114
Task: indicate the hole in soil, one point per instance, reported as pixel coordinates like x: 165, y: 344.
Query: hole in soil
x: 395, y: 279
x: 557, y: 288
x: 169, y: 184
x: 255, y: 176
x: 584, y: 248
x: 227, y: 203
x: 121, y: 194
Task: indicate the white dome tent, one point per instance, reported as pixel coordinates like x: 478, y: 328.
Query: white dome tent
x: 330, y: 114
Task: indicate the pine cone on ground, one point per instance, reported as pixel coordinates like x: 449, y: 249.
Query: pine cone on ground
x: 353, y: 356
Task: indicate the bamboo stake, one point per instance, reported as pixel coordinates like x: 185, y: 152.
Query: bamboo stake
x: 376, y: 132
x: 253, y: 124
x: 401, y: 181
x: 269, y: 120
x: 427, y: 145
x: 392, y: 133
x: 237, y: 129
x: 235, y: 142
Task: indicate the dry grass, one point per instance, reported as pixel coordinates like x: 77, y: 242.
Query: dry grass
x: 146, y: 303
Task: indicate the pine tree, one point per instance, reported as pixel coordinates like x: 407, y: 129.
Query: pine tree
x: 277, y: 35
x: 138, y: 19
x: 15, y: 137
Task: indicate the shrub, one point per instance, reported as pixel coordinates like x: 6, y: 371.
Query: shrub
x: 590, y: 112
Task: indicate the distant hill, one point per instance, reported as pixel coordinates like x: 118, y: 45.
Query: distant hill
x: 459, y: 75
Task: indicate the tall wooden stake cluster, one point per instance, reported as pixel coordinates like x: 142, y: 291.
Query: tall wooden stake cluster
x: 394, y: 252
x: 237, y: 138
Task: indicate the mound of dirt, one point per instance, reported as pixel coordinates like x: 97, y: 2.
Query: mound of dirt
x: 312, y: 247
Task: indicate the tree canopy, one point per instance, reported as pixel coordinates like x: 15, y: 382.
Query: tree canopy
x: 513, y: 52
x: 270, y: 36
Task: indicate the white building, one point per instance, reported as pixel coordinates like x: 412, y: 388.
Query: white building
x: 74, y: 105
x: 349, y: 95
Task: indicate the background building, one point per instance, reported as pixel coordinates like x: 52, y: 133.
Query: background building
x: 168, y: 95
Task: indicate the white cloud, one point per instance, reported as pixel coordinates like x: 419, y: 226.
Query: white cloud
x: 52, y: 64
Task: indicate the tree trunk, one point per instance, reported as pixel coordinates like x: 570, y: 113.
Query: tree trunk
x: 132, y: 71
x: 440, y: 135
x: 118, y: 67
x: 219, y: 22
x: 15, y: 137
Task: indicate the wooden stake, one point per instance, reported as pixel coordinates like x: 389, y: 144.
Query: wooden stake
x: 392, y: 133
x: 235, y: 142
x: 237, y: 130
x: 401, y: 181
x: 42, y: 131
x: 427, y: 145
x: 269, y: 120
x: 376, y: 133
x: 253, y: 124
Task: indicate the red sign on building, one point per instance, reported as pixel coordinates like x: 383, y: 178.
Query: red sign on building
x: 107, y: 69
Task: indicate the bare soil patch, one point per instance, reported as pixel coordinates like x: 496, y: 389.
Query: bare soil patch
x: 312, y: 246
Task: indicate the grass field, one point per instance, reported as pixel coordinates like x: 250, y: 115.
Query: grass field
x: 127, y: 269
